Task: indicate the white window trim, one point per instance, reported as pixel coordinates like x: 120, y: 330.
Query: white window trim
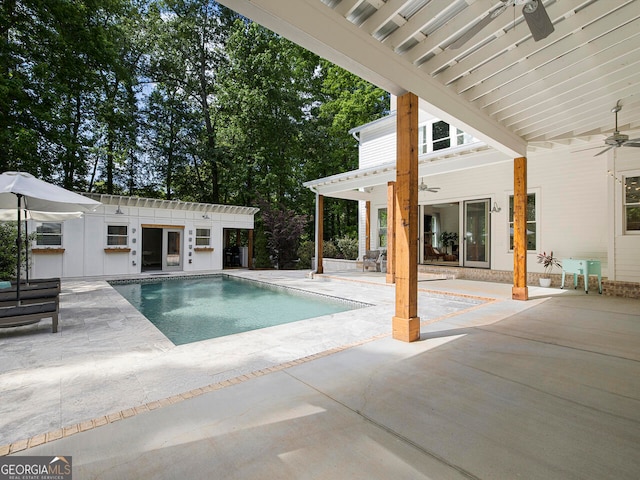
x: 127, y: 236
x: 196, y: 237
x: 37, y: 245
x: 378, y: 227
x: 536, y: 192
x: 625, y: 175
x: 425, y: 137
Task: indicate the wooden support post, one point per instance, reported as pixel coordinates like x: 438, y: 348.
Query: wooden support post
x: 391, y: 232
x: 367, y: 226
x: 406, y: 323
x: 319, y: 232
x: 520, y: 290
x: 250, y: 250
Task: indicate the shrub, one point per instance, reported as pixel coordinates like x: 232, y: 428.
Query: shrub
x: 348, y: 247
x: 260, y: 250
x: 306, y: 251
x: 329, y: 250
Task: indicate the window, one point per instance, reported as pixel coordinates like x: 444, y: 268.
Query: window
x: 49, y: 234
x: 382, y: 227
x: 117, y: 235
x: 632, y: 204
x: 531, y: 222
x: 441, y: 135
x: 423, y: 140
x: 203, y: 237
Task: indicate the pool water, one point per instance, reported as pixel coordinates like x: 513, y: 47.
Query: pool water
x: 190, y: 310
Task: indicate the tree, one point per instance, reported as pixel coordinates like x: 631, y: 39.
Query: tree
x: 282, y: 228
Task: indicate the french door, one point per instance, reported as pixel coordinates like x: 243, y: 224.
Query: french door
x: 477, y: 241
x: 172, y: 249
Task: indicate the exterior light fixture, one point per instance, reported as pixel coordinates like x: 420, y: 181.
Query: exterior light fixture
x: 496, y: 208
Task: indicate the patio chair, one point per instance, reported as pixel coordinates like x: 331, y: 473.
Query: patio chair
x: 370, y: 259
x: 432, y: 253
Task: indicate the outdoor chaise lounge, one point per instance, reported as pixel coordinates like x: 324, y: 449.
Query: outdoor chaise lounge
x: 38, y: 300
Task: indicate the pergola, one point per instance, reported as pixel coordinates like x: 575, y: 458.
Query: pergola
x: 497, y: 84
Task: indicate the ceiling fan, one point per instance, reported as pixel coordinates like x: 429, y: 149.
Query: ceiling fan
x: 423, y: 187
x: 533, y: 12
x: 618, y: 139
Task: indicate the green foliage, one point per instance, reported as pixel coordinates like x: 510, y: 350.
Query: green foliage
x: 261, y: 250
x: 177, y: 99
x: 348, y: 247
x: 283, y: 229
x: 8, y: 250
x: 330, y: 250
x: 306, y: 252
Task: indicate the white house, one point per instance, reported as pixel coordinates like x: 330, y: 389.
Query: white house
x: 128, y: 235
x: 580, y: 206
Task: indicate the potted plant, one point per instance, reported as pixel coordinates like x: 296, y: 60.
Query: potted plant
x: 548, y: 262
x: 448, y: 239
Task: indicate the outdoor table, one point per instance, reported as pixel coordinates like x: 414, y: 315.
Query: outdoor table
x: 582, y: 267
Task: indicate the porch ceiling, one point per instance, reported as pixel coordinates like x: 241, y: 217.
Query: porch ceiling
x: 501, y: 86
x: 358, y: 184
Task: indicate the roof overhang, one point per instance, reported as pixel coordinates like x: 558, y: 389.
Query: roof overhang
x: 359, y: 184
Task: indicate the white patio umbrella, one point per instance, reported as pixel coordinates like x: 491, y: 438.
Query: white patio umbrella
x: 20, y: 191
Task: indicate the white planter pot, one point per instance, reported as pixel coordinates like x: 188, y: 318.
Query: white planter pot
x: 545, y: 282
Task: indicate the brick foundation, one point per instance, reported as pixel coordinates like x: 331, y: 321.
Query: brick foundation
x: 610, y: 288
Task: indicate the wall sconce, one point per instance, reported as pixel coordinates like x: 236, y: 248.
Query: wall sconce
x: 206, y: 217
x: 119, y: 212
x: 133, y: 230
x: 496, y: 208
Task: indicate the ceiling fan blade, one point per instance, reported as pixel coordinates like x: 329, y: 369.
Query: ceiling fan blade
x: 538, y: 19
x: 634, y: 142
x: 605, y: 150
x: 585, y: 149
x: 469, y: 34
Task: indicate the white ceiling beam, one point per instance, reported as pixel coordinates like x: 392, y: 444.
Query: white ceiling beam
x: 551, y: 65
x: 534, y: 106
x: 346, y: 7
x: 592, y: 117
x: 591, y: 45
x: 306, y: 22
x: 416, y: 23
x: 382, y: 16
x: 562, y: 98
x: 476, y: 68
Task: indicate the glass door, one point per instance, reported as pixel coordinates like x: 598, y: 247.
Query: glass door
x: 477, y: 237
x: 172, y: 250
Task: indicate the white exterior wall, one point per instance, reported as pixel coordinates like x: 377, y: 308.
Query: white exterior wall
x: 378, y: 143
x: 84, y: 241
x: 572, y: 213
x: 624, y: 247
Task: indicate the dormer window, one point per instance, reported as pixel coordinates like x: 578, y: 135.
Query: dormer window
x: 438, y: 135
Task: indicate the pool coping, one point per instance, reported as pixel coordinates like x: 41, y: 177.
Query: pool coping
x: 82, y: 426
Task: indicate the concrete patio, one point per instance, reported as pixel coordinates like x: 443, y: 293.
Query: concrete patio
x: 548, y: 388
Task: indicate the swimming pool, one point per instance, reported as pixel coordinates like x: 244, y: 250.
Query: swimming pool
x: 188, y: 310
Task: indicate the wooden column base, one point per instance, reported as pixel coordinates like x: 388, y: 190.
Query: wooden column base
x: 406, y: 329
x: 520, y: 293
